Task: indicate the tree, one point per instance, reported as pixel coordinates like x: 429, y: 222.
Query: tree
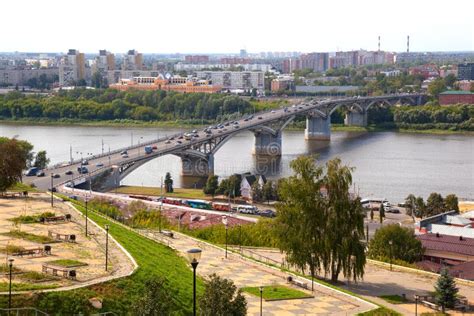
x: 420, y: 207
x: 451, y: 203
x: 436, y: 87
x: 268, y: 191
x: 41, y: 160
x: 312, y: 228
x: 155, y: 300
x: 168, y: 183
x: 257, y: 192
x: 410, y: 205
x: 445, y: 290
x: 381, y: 213
x: 212, y: 185
x: 435, y: 204
x: 405, y: 245
x: 221, y: 298
x: 449, y: 80
x: 12, y: 162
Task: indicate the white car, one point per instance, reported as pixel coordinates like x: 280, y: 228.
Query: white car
x: 273, y: 111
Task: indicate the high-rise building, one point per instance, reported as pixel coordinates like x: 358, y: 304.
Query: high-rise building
x: 105, y: 61
x: 132, y: 61
x: 235, y: 80
x: 466, y: 71
x: 243, y: 53
x: 72, y: 68
x: 315, y: 61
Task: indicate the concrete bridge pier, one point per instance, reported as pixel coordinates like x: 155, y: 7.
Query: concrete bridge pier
x: 317, y: 128
x: 267, y: 144
x: 354, y: 118
x: 197, y: 166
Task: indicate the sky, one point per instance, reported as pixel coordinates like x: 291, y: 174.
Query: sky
x: 221, y: 26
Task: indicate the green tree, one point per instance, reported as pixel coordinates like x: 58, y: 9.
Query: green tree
x: 410, y: 205
x: 222, y: 298
x: 435, y: 204
x: 155, y: 300
x: 268, y: 191
x: 257, y: 192
x: 451, y: 202
x: 12, y: 162
x: 420, y: 207
x: 168, y: 183
x: 436, y: 87
x: 381, y: 213
x: 312, y: 229
x: 405, y: 246
x: 212, y: 185
x: 41, y: 160
x: 449, y: 80
x: 445, y: 290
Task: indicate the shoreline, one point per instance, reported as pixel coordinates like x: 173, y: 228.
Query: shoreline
x: 185, y: 125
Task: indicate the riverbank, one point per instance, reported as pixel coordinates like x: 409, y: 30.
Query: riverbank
x: 183, y: 124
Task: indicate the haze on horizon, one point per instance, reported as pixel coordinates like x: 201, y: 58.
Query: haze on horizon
x: 213, y: 26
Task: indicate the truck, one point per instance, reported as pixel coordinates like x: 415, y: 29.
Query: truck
x: 148, y: 150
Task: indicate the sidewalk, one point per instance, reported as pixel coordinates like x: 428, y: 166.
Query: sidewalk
x: 244, y: 272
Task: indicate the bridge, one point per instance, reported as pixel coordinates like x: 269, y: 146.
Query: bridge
x: 197, y: 152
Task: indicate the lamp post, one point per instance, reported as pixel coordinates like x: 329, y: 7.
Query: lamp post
x: 417, y: 297
x: 261, y: 300
x: 390, y: 242
x: 52, y: 178
x: 106, y: 246
x: 224, y: 221
x: 10, y: 266
x: 86, y: 214
x: 194, y: 255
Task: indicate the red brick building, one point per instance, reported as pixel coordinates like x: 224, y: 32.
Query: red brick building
x: 455, y: 97
x: 196, y: 59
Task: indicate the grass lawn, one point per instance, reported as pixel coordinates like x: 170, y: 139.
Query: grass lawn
x: 25, y: 286
x: 28, y: 236
x: 394, y: 299
x: 67, y: 263
x: 30, y: 219
x: 277, y: 292
x: 178, y: 192
x: 381, y: 311
x: 21, y: 187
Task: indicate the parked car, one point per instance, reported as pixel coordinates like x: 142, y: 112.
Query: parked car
x: 56, y: 175
x: 267, y: 213
x: 69, y: 172
x: 40, y: 174
x: 124, y: 152
x: 31, y: 172
x: 100, y: 164
x: 124, y: 156
x: 85, y: 162
x: 168, y: 142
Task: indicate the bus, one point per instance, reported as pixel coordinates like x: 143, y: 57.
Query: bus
x: 200, y: 204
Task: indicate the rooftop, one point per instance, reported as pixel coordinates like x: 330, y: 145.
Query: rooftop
x: 447, y: 243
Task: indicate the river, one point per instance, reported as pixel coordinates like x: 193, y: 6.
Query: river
x: 387, y: 164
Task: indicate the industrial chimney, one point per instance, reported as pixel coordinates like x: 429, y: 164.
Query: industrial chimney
x: 408, y: 43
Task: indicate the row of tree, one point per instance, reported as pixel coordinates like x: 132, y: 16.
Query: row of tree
x: 87, y: 104
x: 435, y: 204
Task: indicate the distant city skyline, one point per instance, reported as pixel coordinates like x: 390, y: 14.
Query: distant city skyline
x: 208, y: 27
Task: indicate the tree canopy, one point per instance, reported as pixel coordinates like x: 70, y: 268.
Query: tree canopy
x: 222, y: 298
x: 445, y: 290
x: 13, y: 160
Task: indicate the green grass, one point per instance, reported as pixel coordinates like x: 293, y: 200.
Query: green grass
x: 276, y: 292
x: 34, y: 276
x: 394, y: 299
x: 30, y: 219
x: 21, y: 187
x: 178, y: 192
x: 381, y: 311
x: 28, y: 236
x: 67, y: 263
x: 11, y: 249
x: 26, y: 286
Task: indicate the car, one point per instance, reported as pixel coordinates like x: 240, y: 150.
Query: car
x: 124, y: 156
x: 393, y: 210
x: 181, y: 137
x: 227, y: 124
x: 236, y: 123
x: 31, y: 172
x: 293, y: 106
x: 171, y: 138
x: 154, y: 147
x: 196, y: 135
x: 100, y: 164
x: 40, y: 174
x: 300, y: 107
x: 273, y: 111
x: 83, y: 170
x: 236, y: 126
x: 53, y: 189
x: 85, y: 162
x: 168, y: 142
x: 245, y: 120
x: 56, y: 175
x: 124, y: 152
x: 179, y: 142
x: 69, y: 172
x: 267, y: 213
x: 387, y: 204
x: 194, y: 131
x: 259, y: 117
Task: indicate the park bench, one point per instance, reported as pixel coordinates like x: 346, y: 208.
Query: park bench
x: 430, y: 305
x: 55, y: 219
x: 34, y: 251
x: 167, y: 233
x: 62, y: 237
x: 299, y: 283
x: 59, y: 271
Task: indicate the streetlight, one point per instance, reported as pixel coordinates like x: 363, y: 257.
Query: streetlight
x: 417, y: 297
x: 390, y: 242
x: 106, y: 245
x: 86, y: 200
x: 224, y: 221
x: 261, y: 300
x: 10, y: 265
x: 194, y: 255
x: 52, y: 179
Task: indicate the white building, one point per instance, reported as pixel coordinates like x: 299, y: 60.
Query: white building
x: 235, y: 80
x: 72, y: 68
x: 246, y: 185
x: 245, y: 67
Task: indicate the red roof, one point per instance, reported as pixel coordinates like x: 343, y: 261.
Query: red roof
x: 448, y: 243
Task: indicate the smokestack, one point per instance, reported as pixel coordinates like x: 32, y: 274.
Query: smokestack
x: 408, y: 43
x: 379, y: 43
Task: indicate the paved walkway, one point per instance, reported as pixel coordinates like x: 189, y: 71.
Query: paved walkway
x: 379, y: 281
x: 245, y: 272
